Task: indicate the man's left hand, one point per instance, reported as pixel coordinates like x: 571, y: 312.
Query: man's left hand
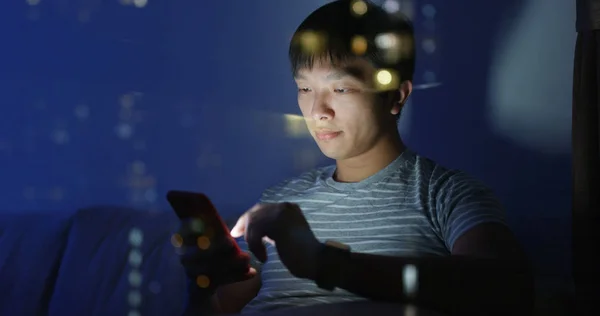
x: 284, y: 226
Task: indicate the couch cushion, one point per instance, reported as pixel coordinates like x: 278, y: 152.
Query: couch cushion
x: 95, y: 276
x: 31, y: 245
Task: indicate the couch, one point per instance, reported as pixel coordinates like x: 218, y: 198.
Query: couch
x: 81, y: 263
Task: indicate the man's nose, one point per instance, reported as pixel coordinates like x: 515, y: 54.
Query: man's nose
x: 321, y: 109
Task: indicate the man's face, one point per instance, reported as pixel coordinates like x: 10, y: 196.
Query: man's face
x: 341, y: 109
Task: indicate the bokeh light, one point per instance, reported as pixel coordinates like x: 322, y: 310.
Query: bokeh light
x: 135, y: 278
x: 136, y: 236
x: 391, y: 6
x: 359, y: 45
x: 202, y: 281
x: 312, y: 42
x: 176, y: 240
x: 410, y: 310
x: 386, y: 40
x: 56, y: 194
x: 60, y: 136
x: 135, y: 257
x: 134, y: 298
x: 428, y: 11
x: 203, y: 242
x: 359, y: 7
x: 428, y: 45
x: 84, y: 16
x: 82, y: 111
x: 140, y: 3
x: 384, y: 77
x: 410, y: 278
x: 197, y: 226
x: 429, y: 77
x: 127, y: 100
x: 124, y: 130
x: 386, y: 80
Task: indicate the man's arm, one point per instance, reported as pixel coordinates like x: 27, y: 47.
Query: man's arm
x: 487, y: 274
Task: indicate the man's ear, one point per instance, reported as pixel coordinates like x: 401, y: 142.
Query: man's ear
x: 404, y: 92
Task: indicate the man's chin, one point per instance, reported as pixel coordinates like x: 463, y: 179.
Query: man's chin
x: 332, y: 154
x: 329, y: 149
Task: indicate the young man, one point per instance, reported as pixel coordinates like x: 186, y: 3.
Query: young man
x: 416, y: 231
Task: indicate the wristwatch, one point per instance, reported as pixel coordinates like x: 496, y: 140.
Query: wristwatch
x: 331, y: 255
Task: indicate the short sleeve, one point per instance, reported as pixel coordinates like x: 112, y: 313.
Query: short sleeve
x: 462, y: 203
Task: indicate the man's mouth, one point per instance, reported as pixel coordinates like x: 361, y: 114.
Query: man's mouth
x: 327, y: 134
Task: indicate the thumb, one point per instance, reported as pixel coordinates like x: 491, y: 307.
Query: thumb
x: 252, y: 272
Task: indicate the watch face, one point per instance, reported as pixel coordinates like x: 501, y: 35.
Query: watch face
x: 337, y: 244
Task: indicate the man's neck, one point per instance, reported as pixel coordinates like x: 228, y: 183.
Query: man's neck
x: 358, y: 168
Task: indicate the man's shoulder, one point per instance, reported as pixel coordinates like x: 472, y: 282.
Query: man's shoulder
x: 440, y: 177
x: 295, y: 185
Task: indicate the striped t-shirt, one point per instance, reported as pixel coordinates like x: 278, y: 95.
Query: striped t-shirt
x: 413, y: 207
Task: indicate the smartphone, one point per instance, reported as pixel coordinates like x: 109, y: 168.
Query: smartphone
x: 198, y: 207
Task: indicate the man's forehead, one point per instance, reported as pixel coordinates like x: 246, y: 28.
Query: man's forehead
x: 356, y: 69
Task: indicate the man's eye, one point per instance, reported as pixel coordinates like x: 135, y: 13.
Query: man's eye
x: 342, y: 90
x: 303, y: 90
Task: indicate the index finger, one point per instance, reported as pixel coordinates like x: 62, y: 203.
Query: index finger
x: 240, y: 226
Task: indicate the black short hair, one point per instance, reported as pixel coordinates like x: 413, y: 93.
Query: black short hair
x: 345, y: 29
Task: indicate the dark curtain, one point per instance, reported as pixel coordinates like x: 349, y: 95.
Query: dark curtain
x: 586, y: 172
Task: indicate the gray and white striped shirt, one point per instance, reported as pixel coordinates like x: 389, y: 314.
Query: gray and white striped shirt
x: 413, y: 207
